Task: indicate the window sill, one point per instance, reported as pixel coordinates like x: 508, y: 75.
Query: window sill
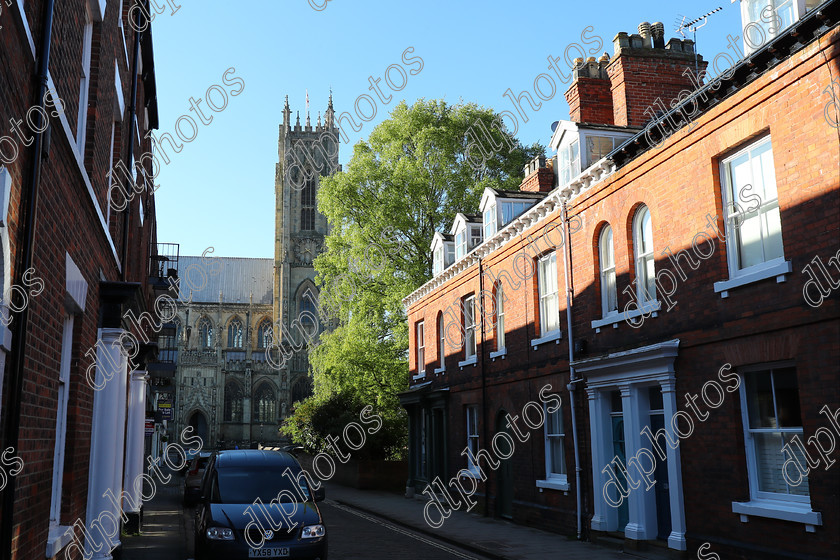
x: 500, y: 354
x: 471, y: 361
x: 440, y: 370
x: 554, y: 484
x: 58, y: 538
x: 648, y: 308
x: 548, y: 337
x: 776, y: 267
x: 786, y: 511
x: 419, y: 376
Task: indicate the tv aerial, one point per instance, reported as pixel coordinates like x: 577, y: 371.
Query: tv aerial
x: 692, y: 26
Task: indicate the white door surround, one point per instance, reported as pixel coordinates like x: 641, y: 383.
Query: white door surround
x: 632, y: 372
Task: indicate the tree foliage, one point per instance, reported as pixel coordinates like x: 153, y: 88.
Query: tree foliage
x: 407, y: 181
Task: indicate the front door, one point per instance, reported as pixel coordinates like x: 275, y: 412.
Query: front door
x: 504, y: 476
x: 663, y: 498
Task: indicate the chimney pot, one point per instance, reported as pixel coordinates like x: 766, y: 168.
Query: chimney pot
x: 657, y: 30
x: 644, y: 31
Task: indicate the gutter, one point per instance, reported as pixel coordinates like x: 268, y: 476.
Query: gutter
x: 28, y: 212
x: 571, y: 386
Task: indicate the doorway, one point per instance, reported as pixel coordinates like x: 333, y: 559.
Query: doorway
x: 504, y: 475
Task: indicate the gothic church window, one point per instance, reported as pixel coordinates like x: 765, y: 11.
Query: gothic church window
x: 233, y: 402
x: 265, y: 404
x: 235, y: 334
x: 264, y: 334
x: 205, y: 333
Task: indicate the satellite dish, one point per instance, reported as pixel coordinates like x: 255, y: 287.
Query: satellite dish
x: 554, y: 126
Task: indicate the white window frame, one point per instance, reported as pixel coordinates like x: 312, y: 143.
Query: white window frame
x: 644, y: 293
x: 554, y: 480
x: 421, y: 348
x: 769, y: 504
x: 460, y: 244
x: 500, y: 318
x: 609, y: 305
x: 437, y: 261
x: 476, y: 237
x: 441, y: 325
x: 469, y: 327
x: 490, y: 220
x: 472, y: 437
x: 734, y: 219
x: 798, y: 11
x: 569, y: 164
x: 110, y: 174
x: 749, y: 433
x: 61, y: 421
x: 549, y: 321
x: 84, y: 84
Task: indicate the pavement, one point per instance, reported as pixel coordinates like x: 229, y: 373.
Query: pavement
x: 493, y: 538
x: 166, y: 525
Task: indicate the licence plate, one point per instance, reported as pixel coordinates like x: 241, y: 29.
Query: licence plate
x: 269, y: 552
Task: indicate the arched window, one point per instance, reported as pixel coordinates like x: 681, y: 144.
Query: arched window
x: 500, y: 316
x: 301, y: 389
x: 205, y: 333
x: 233, y: 402
x: 307, y: 206
x: 643, y: 249
x: 265, y: 404
x: 178, y: 331
x: 609, y: 298
x: 264, y: 333
x: 235, y: 333
x: 441, y: 326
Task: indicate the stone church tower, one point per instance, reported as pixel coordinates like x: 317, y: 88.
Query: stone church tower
x: 305, y: 155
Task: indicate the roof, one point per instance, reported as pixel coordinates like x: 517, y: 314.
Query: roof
x: 517, y: 194
x: 237, y: 278
x: 816, y: 23
x: 255, y: 458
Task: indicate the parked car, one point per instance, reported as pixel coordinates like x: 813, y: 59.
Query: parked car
x: 192, y: 482
x: 226, y: 510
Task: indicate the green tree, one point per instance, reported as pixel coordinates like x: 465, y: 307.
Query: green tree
x: 415, y: 172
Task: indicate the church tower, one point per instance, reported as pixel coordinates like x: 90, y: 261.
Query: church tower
x: 306, y: 154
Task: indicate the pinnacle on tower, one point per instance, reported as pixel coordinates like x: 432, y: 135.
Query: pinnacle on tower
x: 329, y: 116
x: 318, y: 125
x: 287, y: 113
x: 297, y: 124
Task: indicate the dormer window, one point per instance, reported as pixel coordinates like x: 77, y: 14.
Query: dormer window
x: 569, y: 160
x: 597, y: 147
x: 512, y: 210
x: 764, y: 20
x: 443, y: 252
x: 476, y: 237
x: 460, y: 244
x: 490, y: 222
x: 437, y: 261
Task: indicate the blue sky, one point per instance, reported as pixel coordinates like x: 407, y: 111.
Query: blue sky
x: 219, y: 190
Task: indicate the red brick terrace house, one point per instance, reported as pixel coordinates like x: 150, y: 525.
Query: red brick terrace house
x: 72, y: 262
x: 697, y: 362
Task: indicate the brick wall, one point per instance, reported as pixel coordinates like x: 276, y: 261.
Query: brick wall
x: 68, y: 221
x: 758, y: 323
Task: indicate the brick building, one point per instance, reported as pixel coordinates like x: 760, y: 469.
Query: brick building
x: 76, y: 247
x: 688, y: 326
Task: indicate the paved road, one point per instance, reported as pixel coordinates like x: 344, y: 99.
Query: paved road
x: 357, y: 535
x: 353, y: 535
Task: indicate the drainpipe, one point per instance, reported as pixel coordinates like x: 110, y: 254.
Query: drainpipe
x: 483, y: 376
x: 571, y: 386
x: 132, y: 120
x: 29, y: 211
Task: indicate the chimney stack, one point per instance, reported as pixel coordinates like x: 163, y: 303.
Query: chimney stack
x: 589, y: 96
x: 646, y: 74
x: 538, y: 176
